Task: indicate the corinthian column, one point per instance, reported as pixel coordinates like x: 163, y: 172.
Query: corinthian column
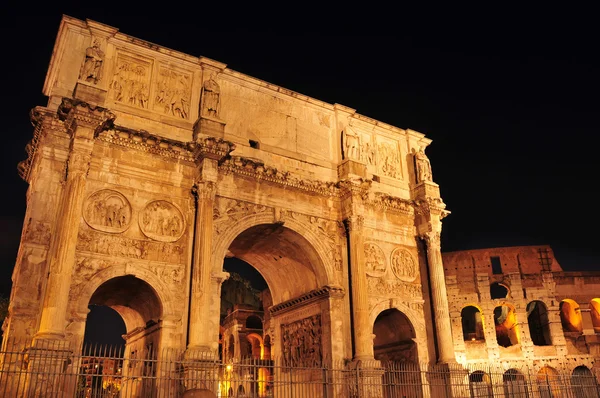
x: 201, y: 273
x: 83, y: 122
x: 363, y: 340
x: 439, y: 296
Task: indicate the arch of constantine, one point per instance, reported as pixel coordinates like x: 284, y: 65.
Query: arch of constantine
x: 149, y: 168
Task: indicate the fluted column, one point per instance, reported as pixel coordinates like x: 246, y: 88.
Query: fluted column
x: 363, y: 340
x: 82, y: 122
x: 439, y: 296
x: 201, y: 272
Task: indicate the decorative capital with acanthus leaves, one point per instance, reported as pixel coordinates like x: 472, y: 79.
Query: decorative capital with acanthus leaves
x: 211, y: 148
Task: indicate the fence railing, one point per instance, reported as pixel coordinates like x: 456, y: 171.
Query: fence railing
x: 51, y: 369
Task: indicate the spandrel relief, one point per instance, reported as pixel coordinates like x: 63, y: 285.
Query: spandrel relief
x: 302, y: 342
x: 389, y: 159
x: 403, y: 265
x: 130, y: 83
x: 374, y: 260
x: 107, y: 210
x: 162, y: 221
x: 173, y: 93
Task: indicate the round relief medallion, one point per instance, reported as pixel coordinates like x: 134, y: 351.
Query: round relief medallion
x: 107, y: 210
x: 374, y: 260
x: 161, y: 220
x: 403, y: 265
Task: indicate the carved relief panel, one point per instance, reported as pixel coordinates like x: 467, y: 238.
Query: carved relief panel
x: 388, y: 158
x: 374, y: 260
x: 404, y: 265
x: 107, y: 210
x: 130, y: 83
x: 301, y: 342
x: 173, y: 91
x: 161, y: 220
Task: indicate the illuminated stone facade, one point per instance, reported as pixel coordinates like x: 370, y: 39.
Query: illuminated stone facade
x: 148, y: 167
x: 517, y: 307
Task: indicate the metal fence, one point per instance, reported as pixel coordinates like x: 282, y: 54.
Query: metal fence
x: 52, y: 370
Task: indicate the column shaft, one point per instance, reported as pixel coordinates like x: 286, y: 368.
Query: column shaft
x: 363, y: 341
x: 202, y: 267
x: 439, y: 296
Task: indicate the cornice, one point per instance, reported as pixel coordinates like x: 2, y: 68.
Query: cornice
x: 312, y: 296
x: 258, y: 170
x: 146, y: 142
x: 385, y: 202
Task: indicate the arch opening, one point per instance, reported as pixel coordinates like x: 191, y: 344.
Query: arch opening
x: 515, y: 384
x: 595, y: 313
x: 507, y: 329
x: 480, y: 384
x: 395, y: 347
x: 472, y: 324
x: 570, y: 317
x: 584, y: 383
x: 498, y: 291
x: 548, y: 381
x: 539, y: 324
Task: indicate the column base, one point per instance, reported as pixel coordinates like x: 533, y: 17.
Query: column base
x: 201, y: 367
x: 368, y: 375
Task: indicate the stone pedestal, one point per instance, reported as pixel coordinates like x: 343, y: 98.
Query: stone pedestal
x: 47, y: 362
x: 368, y: 379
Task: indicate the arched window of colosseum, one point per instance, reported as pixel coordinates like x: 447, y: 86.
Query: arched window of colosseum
x: 472, y: 324
x: 480, y: 384
x: 255, y: 345
x: 595, y: 313
x: 537, y: 318
x: 515, y: 384
x: 505, y: 319
x: 549, y: 383
x: 498, y: 291
x: 584, y: 383
x: 570, y: 316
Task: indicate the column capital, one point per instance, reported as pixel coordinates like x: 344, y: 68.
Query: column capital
x: 77, y: 113
x: 431, y: 207
x: 432, y: 238
x: 203, y: 190
x: 354, y: 223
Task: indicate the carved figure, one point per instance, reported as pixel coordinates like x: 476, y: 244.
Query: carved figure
x: 368, y: 152
x: 211, y: 97
x: 351, y: 144
x: 92, y: 65
x: 423, y: 166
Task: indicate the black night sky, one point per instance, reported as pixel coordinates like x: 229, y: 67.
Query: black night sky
x: 511, y: 108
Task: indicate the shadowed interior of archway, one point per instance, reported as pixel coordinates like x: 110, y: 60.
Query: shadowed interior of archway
x: 394, y: 336
x: 283, y: 257
x: 133, y: 299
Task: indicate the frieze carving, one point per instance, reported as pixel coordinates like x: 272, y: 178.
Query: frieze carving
x: 258, y: 170
x: 91, y: 69
x: 169, y: 275
x: 389, y: 160
x: 385, y: 202
x: 130, y: 83
x: 374, y: 260
x: 173, y: 93
x: 393, y: 288
x: 120, y: 246
x: 161, y: 220
x: 403, y: 265
x: 107, y: 210
x: 143, y: 141
x: 302, y: 342
x: 37, y: 232
x: 229, y: 211
x: 368, y: 155
x: 86, y: 267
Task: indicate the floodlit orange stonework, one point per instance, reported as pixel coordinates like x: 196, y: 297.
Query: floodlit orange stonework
x: 148, y: 167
